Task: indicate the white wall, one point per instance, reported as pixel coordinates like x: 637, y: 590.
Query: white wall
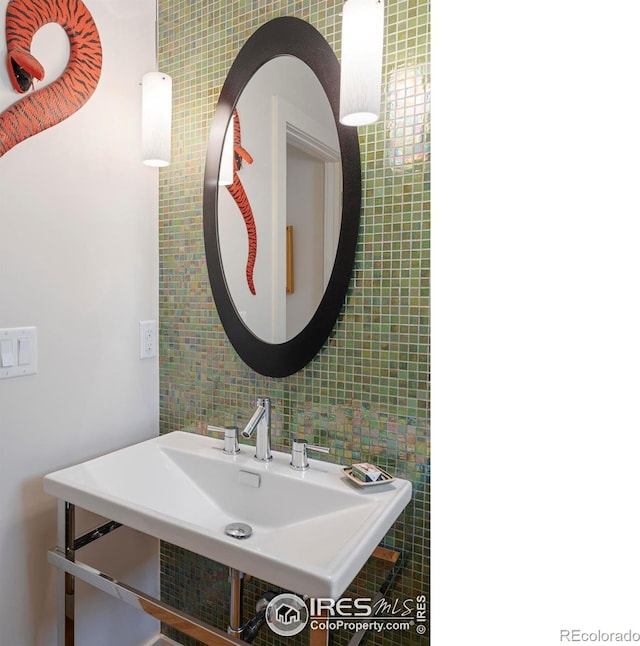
x: 79, y: 260
x: 536, y: 322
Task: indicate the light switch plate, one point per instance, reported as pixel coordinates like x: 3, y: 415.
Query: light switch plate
x: 18, y: 352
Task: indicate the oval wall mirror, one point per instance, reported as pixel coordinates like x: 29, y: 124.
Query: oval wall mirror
x: 282, y: 197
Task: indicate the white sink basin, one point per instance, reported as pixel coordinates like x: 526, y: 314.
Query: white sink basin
x: 312, y: 530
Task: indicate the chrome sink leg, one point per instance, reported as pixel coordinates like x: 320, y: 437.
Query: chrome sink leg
x: 66, y: 582
x: 235, y: 600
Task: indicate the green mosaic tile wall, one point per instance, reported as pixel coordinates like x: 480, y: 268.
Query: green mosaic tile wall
x: 366, y: 394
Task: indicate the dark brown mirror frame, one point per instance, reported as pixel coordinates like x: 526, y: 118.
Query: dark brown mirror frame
x: 281, y: 37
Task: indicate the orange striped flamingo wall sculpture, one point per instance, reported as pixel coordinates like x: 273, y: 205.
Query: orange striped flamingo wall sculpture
x: 239, y: 195
x: 57, y: 101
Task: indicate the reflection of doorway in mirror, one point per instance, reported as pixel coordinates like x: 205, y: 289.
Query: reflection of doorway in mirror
x: 305, y: 214
x: 309, y: 186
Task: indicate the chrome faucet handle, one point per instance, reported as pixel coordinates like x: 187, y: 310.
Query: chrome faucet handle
x: 299, y: 457
x: 231, y: 446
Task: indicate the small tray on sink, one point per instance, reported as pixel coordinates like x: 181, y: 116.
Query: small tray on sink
x: 385, y: 479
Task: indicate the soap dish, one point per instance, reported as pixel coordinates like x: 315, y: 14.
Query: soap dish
x: 385, y: 479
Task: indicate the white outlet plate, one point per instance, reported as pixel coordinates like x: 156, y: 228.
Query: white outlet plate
x: 148, y: 339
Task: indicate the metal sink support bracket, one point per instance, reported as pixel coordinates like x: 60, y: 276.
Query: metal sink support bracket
x: 63, y: 557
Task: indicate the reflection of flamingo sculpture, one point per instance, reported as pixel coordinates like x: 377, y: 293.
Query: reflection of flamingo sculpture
x: 238, y: 193
x: 54, y: 103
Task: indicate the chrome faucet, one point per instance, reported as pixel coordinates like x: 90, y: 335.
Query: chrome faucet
x: 261, y: 420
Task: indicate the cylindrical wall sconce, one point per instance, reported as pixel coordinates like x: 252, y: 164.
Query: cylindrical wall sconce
x: 361, y: 65
x: 156, y: 119
x: 225, y: 177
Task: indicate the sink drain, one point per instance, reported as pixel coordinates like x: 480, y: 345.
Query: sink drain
x: 238, y: 530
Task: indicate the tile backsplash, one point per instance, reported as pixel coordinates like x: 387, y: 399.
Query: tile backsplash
x: 366, y: 394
